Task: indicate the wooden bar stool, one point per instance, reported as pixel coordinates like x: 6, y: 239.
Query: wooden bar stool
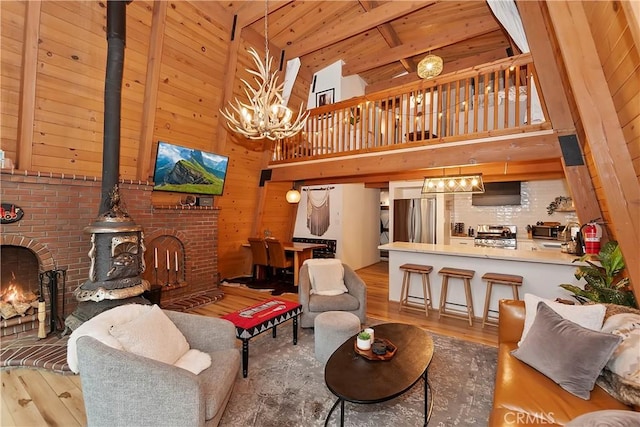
x: 456, y: 273
x: 422, y: 270
x: 498, y: 279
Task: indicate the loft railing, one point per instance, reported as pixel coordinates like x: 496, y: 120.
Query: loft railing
x: 494, y: 99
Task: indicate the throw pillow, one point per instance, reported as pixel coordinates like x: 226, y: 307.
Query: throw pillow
x: 567, y: 353
x: 152, y: 335
x: 623, y: 379
x: 326, y: 276
x: 194, y: 361
x: 98, y: 327
x: 588, y: 316
x: 606, y: 417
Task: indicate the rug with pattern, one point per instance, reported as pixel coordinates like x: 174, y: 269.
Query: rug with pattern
x: 285, y: 387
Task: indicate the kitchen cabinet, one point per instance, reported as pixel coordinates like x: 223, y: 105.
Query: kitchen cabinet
x: 461, y: 241
x: 526, y: 245
x: 547, y: 245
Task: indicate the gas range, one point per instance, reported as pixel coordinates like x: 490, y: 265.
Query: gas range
x: 496, y: 236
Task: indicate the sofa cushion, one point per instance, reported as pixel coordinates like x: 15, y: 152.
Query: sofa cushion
x: 152, y: 335
x: 609, y: 418
x: 588, y: 316
x: 344, y: 302
x: 572, y: 356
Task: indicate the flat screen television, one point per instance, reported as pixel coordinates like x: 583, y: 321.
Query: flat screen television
x: 189, y: 170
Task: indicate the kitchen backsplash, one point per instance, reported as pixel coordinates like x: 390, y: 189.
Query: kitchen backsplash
x: 536, y: 196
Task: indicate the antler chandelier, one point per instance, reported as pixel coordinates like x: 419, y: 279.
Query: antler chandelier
x: 265, y: 115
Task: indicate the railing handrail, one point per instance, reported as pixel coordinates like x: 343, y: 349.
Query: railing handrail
x: 388, y: 118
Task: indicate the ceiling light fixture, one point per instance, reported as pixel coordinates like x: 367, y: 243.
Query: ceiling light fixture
x: 471, y: 183
x: 430, y: 66
x: 266, y: 115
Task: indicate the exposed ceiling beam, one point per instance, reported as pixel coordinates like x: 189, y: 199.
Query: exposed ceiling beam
x: 491, y: 172
x: 249, y: 13
x: 508, y: 149
x: 458, y: 32
x: 389, y: 35
x: 342, y: 29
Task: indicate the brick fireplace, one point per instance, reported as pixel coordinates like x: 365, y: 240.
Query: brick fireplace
x: 57, y: 208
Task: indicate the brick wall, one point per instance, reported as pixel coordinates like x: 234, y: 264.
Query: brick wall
x: 57, y: 208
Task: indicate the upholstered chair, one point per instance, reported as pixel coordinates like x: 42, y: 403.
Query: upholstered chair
x: 125, y: 388
x: 352, y: 300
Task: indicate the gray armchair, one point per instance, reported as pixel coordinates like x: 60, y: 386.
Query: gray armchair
x: 124, y: 389
x: 354, y: 301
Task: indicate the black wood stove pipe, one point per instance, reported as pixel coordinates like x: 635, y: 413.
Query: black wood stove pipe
x: 116, y: 26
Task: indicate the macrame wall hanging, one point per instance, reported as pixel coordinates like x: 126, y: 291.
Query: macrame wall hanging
x: 318, y: 210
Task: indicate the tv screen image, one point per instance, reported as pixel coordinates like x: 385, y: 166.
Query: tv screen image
x: 189, y: 170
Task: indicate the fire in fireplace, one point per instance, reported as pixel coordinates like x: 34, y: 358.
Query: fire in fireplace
x: 16, y: 301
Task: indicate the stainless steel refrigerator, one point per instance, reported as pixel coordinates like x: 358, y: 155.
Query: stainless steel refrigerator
x: 414, y: 220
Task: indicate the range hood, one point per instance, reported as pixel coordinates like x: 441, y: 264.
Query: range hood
x: 498, y: 194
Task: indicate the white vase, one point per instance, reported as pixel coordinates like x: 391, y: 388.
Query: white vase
x: 363, y: 344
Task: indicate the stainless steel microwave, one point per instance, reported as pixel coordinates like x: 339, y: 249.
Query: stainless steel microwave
x: 550, y: 232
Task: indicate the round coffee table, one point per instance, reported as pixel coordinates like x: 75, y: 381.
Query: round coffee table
x: 355, y: 379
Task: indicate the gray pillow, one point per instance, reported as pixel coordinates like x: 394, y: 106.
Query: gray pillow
x: 607, y: 417
x: 567, y: 353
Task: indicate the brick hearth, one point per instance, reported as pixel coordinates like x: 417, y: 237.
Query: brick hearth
x: 58, y: 207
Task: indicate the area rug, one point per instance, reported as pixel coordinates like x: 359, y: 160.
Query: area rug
x: 285, y: 387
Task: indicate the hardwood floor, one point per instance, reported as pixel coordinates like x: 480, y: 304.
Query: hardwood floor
x: 42, y: 398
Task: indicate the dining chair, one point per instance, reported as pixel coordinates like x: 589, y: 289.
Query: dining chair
x: 259, y: 255
x: 278, y: 258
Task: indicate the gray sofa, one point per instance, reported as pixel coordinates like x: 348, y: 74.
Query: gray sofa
x: 354, y: 301
x: 124, y: 389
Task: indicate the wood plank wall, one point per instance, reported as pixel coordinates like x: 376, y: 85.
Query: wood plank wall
x: 620, y: 59
x: 183, y: 47
x: 621, y: 66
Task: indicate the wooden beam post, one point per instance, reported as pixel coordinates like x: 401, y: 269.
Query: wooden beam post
x: 26, y: 109
x: 154, y: 60
x: 550, y: 73
x: 602, y: 128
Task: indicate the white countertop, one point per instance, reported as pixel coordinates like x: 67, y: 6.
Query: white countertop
x: 543, y: 257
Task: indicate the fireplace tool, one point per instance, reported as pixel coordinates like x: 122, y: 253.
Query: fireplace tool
x: 52, y: 277
x: 42, y: 313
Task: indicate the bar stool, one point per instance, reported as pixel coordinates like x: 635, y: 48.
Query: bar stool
x: 456, y: 273
x: 498, y: 279
x: 422, y: 270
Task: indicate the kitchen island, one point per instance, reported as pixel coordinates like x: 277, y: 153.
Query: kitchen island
x: 542, y: 271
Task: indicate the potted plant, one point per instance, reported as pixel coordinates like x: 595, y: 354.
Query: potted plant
x: 363, y: 341
x: 604, y: 282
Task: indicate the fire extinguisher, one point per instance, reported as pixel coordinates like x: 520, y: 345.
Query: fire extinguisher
x: 592, y: 233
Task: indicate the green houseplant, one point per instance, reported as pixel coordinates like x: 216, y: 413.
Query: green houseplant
x: 604, y: 282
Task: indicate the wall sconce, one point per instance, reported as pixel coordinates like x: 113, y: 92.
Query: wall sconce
x: 454, y: 184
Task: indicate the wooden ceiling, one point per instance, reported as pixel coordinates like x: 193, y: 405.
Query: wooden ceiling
x: 377, y: 40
